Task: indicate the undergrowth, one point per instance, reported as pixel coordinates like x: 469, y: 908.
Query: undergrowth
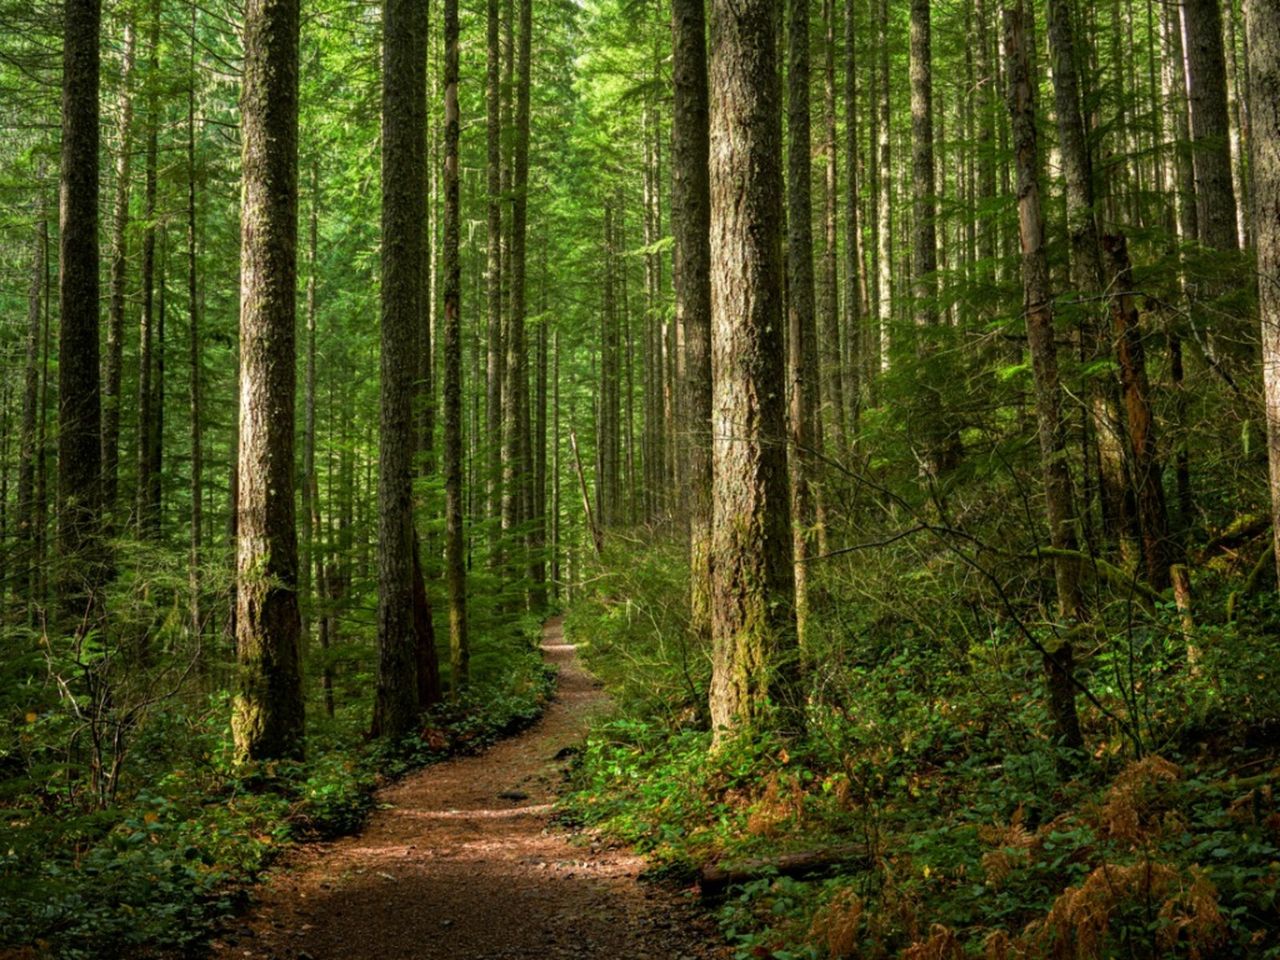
x: 154, y: 872
x: 956, y: 827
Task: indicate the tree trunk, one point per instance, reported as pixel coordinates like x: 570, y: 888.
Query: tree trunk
x: 755, y: 657
x: 1088, y: 278
x: 28, y: 451
x: 802, y: 348
x: 515, y: 443
x: 855, y: 301
x: 1148, y: 476
x: 145, y: 516
x: 1207, y: 86
x: 193, y: 344
x: 884, y: 195
x: 79, y: 400
x: 1264, y: 81
x: 691, y: 226
x: 1058, y: 662
x: 115, y: 297
x: 455, y: 572
x: 310, y: 591
x: 268, y: 711
x: 496, y: 356
x: 397, y: 702
x: 832, y: 380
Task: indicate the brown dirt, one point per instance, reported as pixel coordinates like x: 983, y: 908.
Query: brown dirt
x: 448, y: 868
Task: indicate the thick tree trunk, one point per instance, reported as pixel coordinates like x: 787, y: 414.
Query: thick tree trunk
x: 1207, y: 85
x: 268, y: 711
x: 79, y: 400
x: 111, y: 398
x: 455, y: 572
x: 691, y: 225
x: 397, y: 702
x: 755, y: 657
x: 1058, y: 662
x: 1264, y: 83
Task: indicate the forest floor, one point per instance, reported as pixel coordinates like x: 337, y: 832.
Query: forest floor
x: 462, y: 860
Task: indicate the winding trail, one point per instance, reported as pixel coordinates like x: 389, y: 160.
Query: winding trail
x: 449, y: 868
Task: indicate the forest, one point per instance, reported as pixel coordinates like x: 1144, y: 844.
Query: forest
x: 674, y: 479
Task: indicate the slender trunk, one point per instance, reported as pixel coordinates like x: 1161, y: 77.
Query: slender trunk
x: 310, y: 591
x: 884, y: 205
x: 691, y: 226
x: 115, y: 298
x: 855, y: 301
x: 455, y: 572
x: 193, y: 343
x: 1088, y: 278
x: 831, y: 373
x: 1059, y: 662
x: 28, y: 453
x: 147, y: 521
x: 496, y: 356
x: 268, y: 711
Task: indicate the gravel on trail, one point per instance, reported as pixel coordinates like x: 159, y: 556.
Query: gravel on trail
x: 462, y: 861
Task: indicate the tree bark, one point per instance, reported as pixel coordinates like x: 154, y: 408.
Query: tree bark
x: 268, y: 711
x: 28, y: 451
x: 691, y: 226
x: 831, y: 373
x: 455, y: 572
x: 115, y: 297
x: 755, y: 657
x: 144, y: 510
x: 1088, y: 277
x: 79, y: 399
x: 802, y: 347
x: 193, y: 344
x: 397, y: 702
x: 1211, y: 150
x: 496, y: 356
x: 1058, y: 661
x: 1263, y: 30
x: 855, y: 300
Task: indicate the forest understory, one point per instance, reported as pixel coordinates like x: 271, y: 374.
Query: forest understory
x: 884, y: 394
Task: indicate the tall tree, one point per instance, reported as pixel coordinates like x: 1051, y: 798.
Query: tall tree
x: 1038, y: 306
x: 455, y: 573
x: 802, y: 345
x: 1087, y: 273
x: 1207, y: 86
x: 146, y: 510
x: 1264, y: 79
x: 515, y: 419
x: 496, y: 358
x: 116, y: 294
x: 691, y: 227
x: 79, y: 399
x: 753, y: 629
x: 404, y: 48
x: 268, y: 711
x: 28, y: 454
x: 194, y: 388
x: 829, y: 300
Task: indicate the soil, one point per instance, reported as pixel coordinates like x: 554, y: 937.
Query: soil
x: 462, y: 860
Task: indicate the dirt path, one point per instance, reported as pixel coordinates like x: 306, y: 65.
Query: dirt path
x: 449, y: 868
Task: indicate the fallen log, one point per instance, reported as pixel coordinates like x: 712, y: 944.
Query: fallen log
x: 715, y: 878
